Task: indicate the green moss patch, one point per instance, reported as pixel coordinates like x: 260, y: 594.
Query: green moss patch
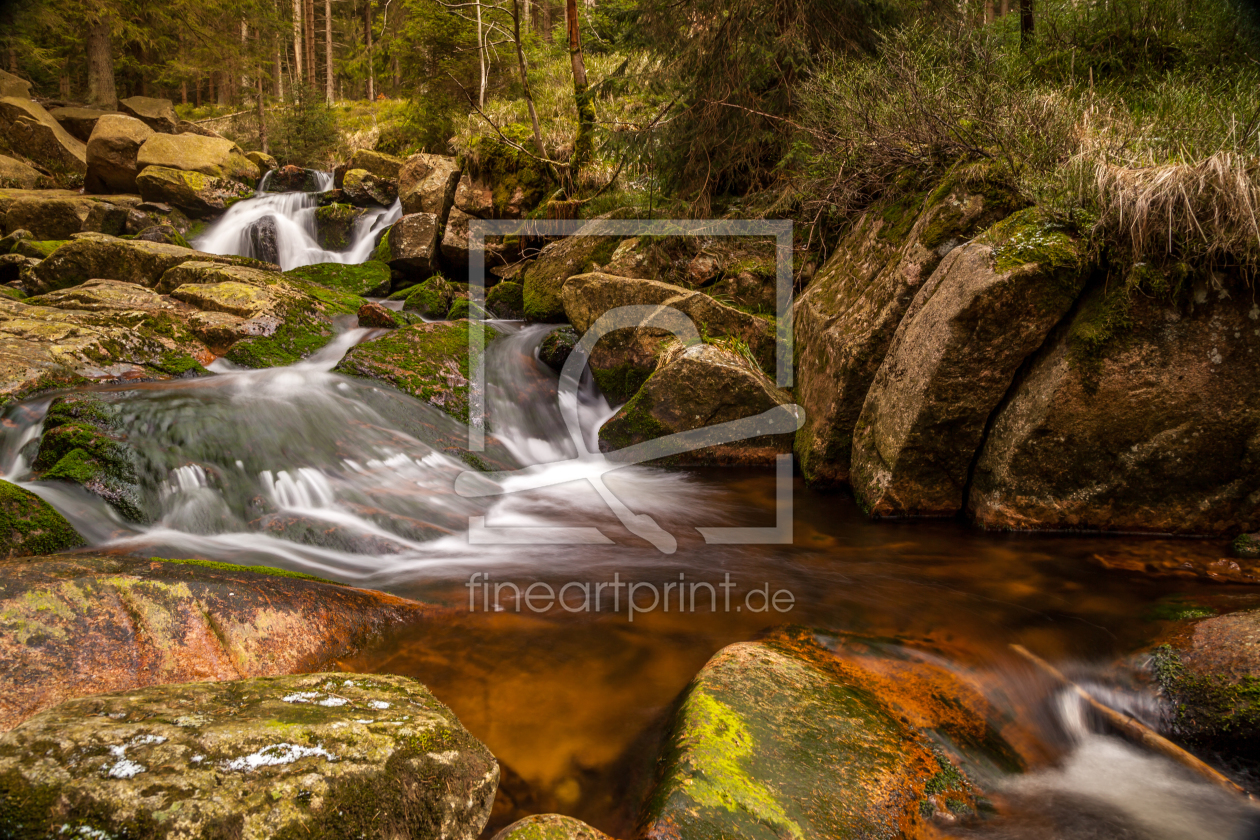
x: 256, y: 570
x: 369, y: 279
x: 1208, y: 708
x: 30, y: 526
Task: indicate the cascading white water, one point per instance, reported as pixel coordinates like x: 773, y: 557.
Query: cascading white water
x: 293, y: 216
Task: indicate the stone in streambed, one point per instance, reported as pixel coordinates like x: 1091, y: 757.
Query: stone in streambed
x: 1247, y: 545
x: 197, y: 194
x: 550, y: 827
x: 30, y: 526
x: 987, y: 307
x: 557, y: 347
x: 412, y: 244
x: 506, y: 300
x: 696, y: 387
x: 1210, y: 673
x: 432, y: 298
x: 363, y: 188
x: 131, y: 261
x: 333, y: 225
x: 292, y: 179
x: 328, y: 755
x: 1142, y: 414
x: 167, y: 234
x: 428, y: 361
x: 544, y: 278
x: 369, y: 279
x: 784, y: 738
x: 375, y: 316
x: 264, y: 239
x: 845, y: 320
x: 83, y: 624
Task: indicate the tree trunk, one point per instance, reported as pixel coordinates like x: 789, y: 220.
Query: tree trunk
x: 481, y: 58
x: 523, y: 65
x: 1025, y: 22
x: 297, y: 41
x: 328, y: 52
x: 101, y: 89
x: 528, y: 17
x: 583, y: 143
x: 309, y: 27
x: 262, y: 117
x: 371, y: 69
x: 546, y: 20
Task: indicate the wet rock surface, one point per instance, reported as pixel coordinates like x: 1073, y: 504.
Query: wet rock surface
x: 322, y: 755
x: 694, y: 388
x: 810, y: 736
x: 197, y: 194
x: 987, y: 307
x: 428, y: 361
x: 30, y: 526
x: 76, y: 625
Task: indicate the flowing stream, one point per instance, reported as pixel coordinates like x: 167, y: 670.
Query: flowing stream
x: 305, y: 469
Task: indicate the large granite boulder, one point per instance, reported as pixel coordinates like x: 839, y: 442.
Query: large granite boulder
x: 543, y: 279
x: 843, y: 323
x: 1209, y: 671
x: 987, y: 307
x: 1143, y: 414
x: 378, y: 163
x: 31, y: 131
x: 477, y: 199
x: 112, y: 150
x: 623, y: 359
x: 264, y: 161
x: 291, y: 179
x: 197, y: 194
x: 428, y: 361
x: 787, y: 738
x: 413, y: 245
x: 456, y: 254
x: 30, y: 526
x: 698, y: 387
x: 131, y: 261
x: 84, y: 624
x: 157, y: 114
x: 56, y: 217
x: 334, y: 224
x: 80, y: 122
x: 264, y: 240
x: 211, y: 156
x: 15, y: 174
x: 365, y: 189
x: 11, y: 85
x: 329, y: 755
x: 426, y: 184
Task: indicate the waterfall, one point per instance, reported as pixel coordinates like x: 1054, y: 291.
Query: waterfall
x: 284, y: 223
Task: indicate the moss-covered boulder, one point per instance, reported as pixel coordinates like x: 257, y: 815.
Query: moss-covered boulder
x: 31, y: 132
x: 264, y: 162
x: 112, y: 151
x: 58, y: 217
x: 988, y: 306
x: 844, y: 322
x: 285, y: 317
x: 83, y: 443
x: 380, y: 164
x: 328, y: 755
x: 428, y: 361
x: 557, y: 347
x: 291, y: 179
x: 432, y: 298
x: 365, y: 189
x: 157, y: 114
x: 197, y: 194
x: 81, y: 624
x: 374, y: 316
x: 544, y: 278
x: 506, y: 300
x: 1142, y: 414
x: 413, y: 245
x: 500, y: 181
x: 11, y: 85
x: 1210, y: 672
x: 550, y: 827
x: 333, y: 223
x: 168, y: 234
x: 30, y: 526
x: 15, y: 174
x: 369, y: 279
x: 695, y: 388
x: 213, y: 157
x: 130, y: 261
x: 37, y: 249
x: 1246, y: 545
x: 785, y: 738
x: 622, y: 360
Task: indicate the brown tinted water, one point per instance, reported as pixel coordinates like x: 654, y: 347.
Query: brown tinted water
x: 576, y: 703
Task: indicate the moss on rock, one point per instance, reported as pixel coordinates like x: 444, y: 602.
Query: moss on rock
x: 428, y: 361
x: 30, y: 526
x: 506, y: 300
x: 432, y: 298
x: 333, y: 223
x: 369, y: 279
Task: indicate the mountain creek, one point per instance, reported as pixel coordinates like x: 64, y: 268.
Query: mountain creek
x: 292, y: 389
